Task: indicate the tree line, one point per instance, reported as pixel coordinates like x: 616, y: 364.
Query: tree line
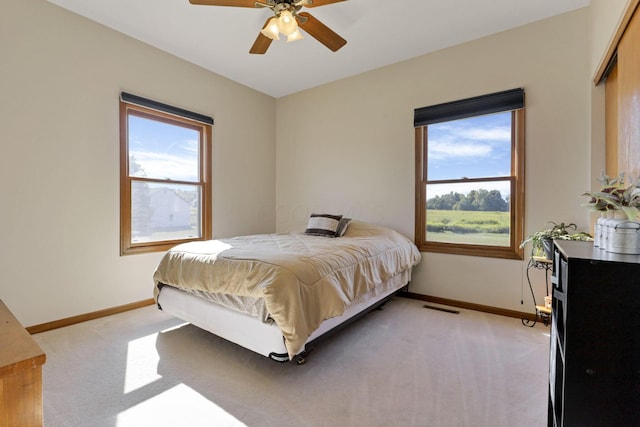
x: 476, y: 200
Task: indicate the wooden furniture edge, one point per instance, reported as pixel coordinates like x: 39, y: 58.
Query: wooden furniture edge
x: 21, y: 360
x: 23, y: 365
x: 20, y: 351
x: 43, y: 327
x: 469, y: 306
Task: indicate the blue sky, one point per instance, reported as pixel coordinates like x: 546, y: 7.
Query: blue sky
x: 164, y: 151
x: 474, y: 148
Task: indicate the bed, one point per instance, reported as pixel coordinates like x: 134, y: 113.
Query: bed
x: 275, y: 294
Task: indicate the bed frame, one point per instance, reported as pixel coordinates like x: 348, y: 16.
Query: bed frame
x: 265, y: 338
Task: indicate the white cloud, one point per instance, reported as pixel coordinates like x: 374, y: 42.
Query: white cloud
x: 443, y: 149
x: 163, y: 166
x: 493, y: 134
x: 177, y: 160
x: 459, y: 142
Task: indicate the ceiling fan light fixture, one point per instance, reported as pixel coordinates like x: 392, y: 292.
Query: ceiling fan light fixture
x: 271, y: 30
x: 286, y: 19
x: 296, y: 35
x: 287, y: 23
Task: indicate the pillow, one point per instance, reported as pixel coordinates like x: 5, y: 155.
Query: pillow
x: 342, y: 226
x: 324, y: 225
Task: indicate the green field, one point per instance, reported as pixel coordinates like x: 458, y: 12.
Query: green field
x: 471, y: 227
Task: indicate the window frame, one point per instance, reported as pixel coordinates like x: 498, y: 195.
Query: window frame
x: 517, y: 197
x: 127, y: 247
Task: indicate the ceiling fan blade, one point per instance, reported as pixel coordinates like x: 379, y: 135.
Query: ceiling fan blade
x: 262, y: 42
x: 317, y: 3
x: 235, y: 3
x: 321, y: 32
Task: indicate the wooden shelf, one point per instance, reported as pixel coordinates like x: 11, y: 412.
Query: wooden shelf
x: 542, y: 313
x: 543, y: 309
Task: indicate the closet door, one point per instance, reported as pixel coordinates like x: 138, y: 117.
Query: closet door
x: 629, y: 98
x: 611, y: 122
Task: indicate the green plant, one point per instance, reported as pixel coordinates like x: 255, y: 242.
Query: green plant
x: 615, y: 195
x: 541, y: 241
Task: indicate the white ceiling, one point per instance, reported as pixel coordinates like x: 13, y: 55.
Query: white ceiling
x: 378, y: 33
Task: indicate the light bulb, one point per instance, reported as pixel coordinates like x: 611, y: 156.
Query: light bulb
x: 287, y: 23
x: 296, y: 35
x: 271, y: 30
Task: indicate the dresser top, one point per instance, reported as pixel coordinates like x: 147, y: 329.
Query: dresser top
x: 18, y: 350
x: 586, y: 251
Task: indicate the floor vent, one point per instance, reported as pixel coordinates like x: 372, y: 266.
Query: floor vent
x: 448, y: 310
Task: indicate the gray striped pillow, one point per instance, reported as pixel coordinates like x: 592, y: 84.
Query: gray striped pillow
x: 324, y: 225
x: 342, y: 226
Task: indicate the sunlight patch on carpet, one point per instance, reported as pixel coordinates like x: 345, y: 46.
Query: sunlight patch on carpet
x: 161, y: 410
x: 142, y: 363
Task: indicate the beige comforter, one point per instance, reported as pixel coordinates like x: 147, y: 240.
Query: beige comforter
x: 304, y: 280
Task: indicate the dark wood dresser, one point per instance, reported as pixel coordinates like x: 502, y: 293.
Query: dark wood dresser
x: 594, y: 369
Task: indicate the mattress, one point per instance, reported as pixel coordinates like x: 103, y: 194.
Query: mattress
x: 302, y: 280
x: 264, y: 338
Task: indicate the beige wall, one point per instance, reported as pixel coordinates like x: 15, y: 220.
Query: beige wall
x: 60, y: 76
x: 604, y: 18
x: 348, y: 146
x: 343, y: 147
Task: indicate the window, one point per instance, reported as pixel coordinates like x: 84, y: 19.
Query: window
x: 470, y: 176
x: 165, y: 176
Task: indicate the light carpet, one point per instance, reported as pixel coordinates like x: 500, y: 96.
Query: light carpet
x: 401, y: 366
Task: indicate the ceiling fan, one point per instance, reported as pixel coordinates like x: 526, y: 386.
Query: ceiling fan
x: 287, y: 20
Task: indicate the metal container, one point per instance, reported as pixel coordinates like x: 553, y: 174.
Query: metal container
x: 624, y: 238
x: 598, y: 242
x: 607, y: 230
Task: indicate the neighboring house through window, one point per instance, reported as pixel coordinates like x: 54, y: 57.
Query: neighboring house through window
x: 165, y: 175
x: 470, y: 176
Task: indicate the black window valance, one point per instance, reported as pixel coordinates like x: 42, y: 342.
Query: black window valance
x: 485, y: 104
x: 159, y: 106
